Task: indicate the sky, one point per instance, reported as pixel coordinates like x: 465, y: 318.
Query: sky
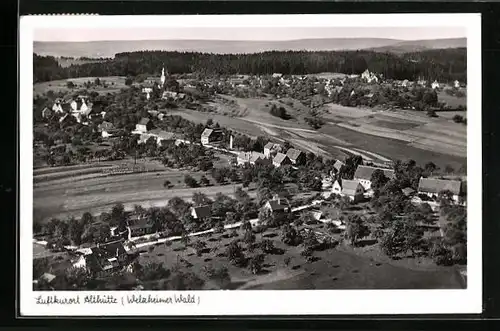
x: 244, y: 34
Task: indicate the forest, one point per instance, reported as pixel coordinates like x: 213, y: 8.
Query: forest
x: 444, y: 65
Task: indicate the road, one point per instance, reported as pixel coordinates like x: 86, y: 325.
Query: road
x: 253, y: 222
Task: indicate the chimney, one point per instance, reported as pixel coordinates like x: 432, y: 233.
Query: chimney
x: 231, y: 140
x: 117, y: 252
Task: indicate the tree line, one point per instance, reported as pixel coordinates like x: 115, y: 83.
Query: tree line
x: 443, y: 65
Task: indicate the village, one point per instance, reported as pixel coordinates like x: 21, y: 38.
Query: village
x: 283, y: 195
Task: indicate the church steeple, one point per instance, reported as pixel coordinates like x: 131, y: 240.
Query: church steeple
x: 162, y: 79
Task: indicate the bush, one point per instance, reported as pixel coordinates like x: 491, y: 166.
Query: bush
x: 190, y: 181
x: 458, y: 119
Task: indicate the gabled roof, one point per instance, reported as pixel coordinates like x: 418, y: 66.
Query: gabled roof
x: 207, y: 132
x: 244, y: 156
x: 338, y: 165
x: 106, y: 126
x: 269, y: 145
x: 407, y: 191
x: 349, y: 186
x: 279, y: 158
x: 141, y: 223
x: 293, y: 154
x: 144, y: 121
x: 276, y: 205
x: 109, y: 249
x: 47, y: 277
x: 433, y: 185
x: 202, y: 212
x: 256, y: 156
x: 365, y: 172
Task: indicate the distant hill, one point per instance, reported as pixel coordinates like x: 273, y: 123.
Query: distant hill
x: 421, y: 45
x: 96, y: 49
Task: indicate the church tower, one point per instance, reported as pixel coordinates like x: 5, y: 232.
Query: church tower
x: 162, y: 79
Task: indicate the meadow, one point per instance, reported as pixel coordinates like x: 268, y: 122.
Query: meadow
x: 114, y: 84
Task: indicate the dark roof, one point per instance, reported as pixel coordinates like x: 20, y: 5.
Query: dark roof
x: 433, y: 185
x: 276, y: 205
x: 109, y: 249
x: 144, y: 121
x: 280, y: 158
x: 408, y: 191
x: 338, y: 165
x: 293, y: 154
x: 349, y: 186
x: 256, y: 156
x: 140, y: 223
x: 105, y: 256
x: 202, y: 212
x: 365, y: 172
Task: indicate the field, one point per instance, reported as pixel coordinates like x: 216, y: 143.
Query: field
x: 115, y: 84
x: 66, y: 62
x: 451, y: 100
x: 335, y: 268
x: 71, y: 191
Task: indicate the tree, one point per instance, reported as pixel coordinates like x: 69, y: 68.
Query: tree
x: 255, y: 263
x: 290, y: 236
x: 199, y: 246
x: 190, y: 181
x: 178, y: 206
x: 185, y: 239
x: 118, y: 216
x: 204, y: 181
x: 75, y: 229
x: 430, y: 167
x: 200, y: 199
x: 267, y: 246
x: 129, y: 81
x: 166, y: 184
x: 378, y: 180
x: 235, y: 254
x: 356, y: 229
x: 249, y: 237
x: 77, y: 278
x: 266, y: 216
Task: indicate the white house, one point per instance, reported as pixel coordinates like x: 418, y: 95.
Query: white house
x: 148, y: 91
x: 433, y: 186
x: 270, y: 148
x: 277, y: 75
x: 369, y: 77
x: 405, y: 83
x: 456, y: 84
x: 435, y: 85
x: 144, y: 125
x: 364, y: 173
x: 57, y: 106
x: 211, y: 136
x: 348, y: 188
x: 243, y: 158
x: 162, y: 78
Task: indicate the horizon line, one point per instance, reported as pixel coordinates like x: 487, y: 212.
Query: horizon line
x: 239, y: 40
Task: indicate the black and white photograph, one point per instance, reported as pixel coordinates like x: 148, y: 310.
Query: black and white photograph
x: 244, y: 164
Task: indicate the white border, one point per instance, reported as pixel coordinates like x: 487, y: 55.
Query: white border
x: 317, y: 302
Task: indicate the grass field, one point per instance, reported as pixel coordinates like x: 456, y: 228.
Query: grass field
x: 451, y: 100
x: 336, y: 268
x: 115, y: 84
x: 78, y: 193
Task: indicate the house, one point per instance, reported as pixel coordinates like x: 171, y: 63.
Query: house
x: 348, y: 188
x: 433, y: 186
x: 140, y: 226
x: 47, y: 277
x: 280, y: 160
x: 258, y: 158
x: 57, y: 107
x: 243, y: 158
x: 144, y: 125
x: 277, y: 75
x: 364, y: 175
x: 435, y: 85
x: 270, y: 147
x: 201, y: 212
x: 46, y: 112
x: 337, y: 166
x: 104, y: 259
x: 369, y: 77
x: 164, y: 136
x: 405, y: 83
x: 456, y: 84
x: 408, y: 191
x: 296, y: 156
x: 169, y: 95
x: 148, y: 91
x: 211, y: 136
x: 105, y: 128
x: 276, y: 205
